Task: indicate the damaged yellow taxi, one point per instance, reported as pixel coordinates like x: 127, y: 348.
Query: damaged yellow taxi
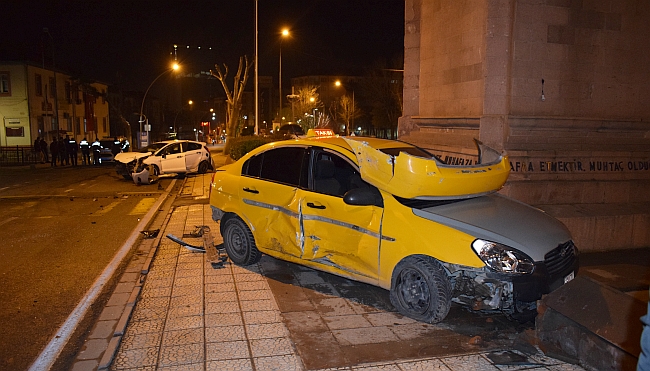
x: 393, y: 215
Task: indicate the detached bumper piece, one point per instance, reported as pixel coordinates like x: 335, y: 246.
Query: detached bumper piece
x: 216, y: 254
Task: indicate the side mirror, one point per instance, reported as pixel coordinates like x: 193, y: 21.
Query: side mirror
x: 363, y: 197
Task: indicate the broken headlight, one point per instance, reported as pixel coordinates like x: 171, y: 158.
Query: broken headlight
x: 503, y: 259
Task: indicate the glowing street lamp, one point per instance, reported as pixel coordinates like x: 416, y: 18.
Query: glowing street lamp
x: 284, y: 33
x: 174, y: 67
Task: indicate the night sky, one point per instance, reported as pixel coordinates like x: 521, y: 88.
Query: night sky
x: 129, y: 42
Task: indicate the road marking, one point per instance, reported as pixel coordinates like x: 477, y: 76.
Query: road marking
x: 107, y: 208
x: 24, y: 205
x: 47, y: 357
x: 68, y: 190
x: 143, y: 206
x: 8, y: 220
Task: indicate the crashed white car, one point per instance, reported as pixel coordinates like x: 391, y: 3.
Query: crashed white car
x: 167, y: 157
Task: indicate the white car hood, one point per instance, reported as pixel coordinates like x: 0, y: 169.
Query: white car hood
x: 501, y: 219
x: 126, y: 157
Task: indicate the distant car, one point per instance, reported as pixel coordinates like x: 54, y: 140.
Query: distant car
x: 106, y: 150
x: 292, y: 130
x: 172, y: 156
x: 393, y: 215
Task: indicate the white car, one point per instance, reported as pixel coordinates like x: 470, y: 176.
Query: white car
x: 171, y: 156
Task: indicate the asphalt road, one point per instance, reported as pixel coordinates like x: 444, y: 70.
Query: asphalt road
x: 59, y: 227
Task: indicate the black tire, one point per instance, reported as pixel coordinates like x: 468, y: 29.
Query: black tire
x: 156, y: 171
x: 420, y: 289
x: 204, y: 167
x: 239, y: 242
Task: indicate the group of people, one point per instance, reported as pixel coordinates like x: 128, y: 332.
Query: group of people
x: 65, y: 151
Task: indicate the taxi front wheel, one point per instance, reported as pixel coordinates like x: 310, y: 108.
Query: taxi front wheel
x: 420, y: 289
x: 239, y: 242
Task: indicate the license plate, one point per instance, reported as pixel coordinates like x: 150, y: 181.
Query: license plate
x: 569, y: 277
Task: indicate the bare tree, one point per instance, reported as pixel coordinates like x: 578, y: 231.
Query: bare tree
x: 307, y: 102
x: 348, y: 111
x: 234, y: 95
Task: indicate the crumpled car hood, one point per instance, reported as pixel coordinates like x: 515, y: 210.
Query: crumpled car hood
x: 410, y: 176
x: 126, y: 157
x: 501, y: 219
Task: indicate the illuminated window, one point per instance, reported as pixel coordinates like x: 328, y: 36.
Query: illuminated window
x: 5, y: 83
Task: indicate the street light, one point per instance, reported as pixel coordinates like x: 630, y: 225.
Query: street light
x: 174, y: 67
x: 284, y: 33
x: 338, y: 83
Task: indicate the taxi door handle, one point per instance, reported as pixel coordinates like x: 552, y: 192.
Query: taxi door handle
x: 251, y: 190
x: 311, y: 204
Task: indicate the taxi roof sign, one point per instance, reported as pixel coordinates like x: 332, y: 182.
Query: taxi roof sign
x: 320, y: 133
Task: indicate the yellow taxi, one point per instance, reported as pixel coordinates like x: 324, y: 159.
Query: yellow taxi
x: 393, y: 215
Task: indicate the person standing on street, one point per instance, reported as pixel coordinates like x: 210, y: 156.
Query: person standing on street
x: 43, y: 144
x: 85, y: 151
x: 63, y: 152
x: 96, y: 147
x: 38, y: 155
x: 73, y: 148
x: 54, y: 150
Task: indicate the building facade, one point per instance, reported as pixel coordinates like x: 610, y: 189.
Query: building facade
x: 39, y: 102
x: 560, y: 85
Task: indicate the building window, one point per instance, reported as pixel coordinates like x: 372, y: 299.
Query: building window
x: 5, y: 83
x: 38, y: 81
x: 52, y: 87
x: 41, y: 124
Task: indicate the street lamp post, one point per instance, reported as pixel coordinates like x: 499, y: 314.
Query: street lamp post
x: 173, y: 68
x: 285, y: 33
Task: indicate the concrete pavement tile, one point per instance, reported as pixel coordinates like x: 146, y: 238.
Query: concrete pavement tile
x: 135, y: 358
x: 226, y: 350
x: 252, y: 285
x: 263, y: 316
x: 135, y: 341
x: 346, y: 322
x: 223, y: 319
x: 154, y: 291
x: 475, y: 362
x: 333, y: 307
x: 185, y: 367
x: 194, y: 309
x: 363, y: 308
x: 89, y: 365
x: 377, y: 367
x: 412, y: 331
x: 182, y: 323
x: 103, y: 329
x: 141, y: 327
x: 148, y: 313
x: 219, y: 278
x: 212, y: 297
x: 276, y: 363
x: 423, y: 365
x: 181, y: 354
x: 130, y: 277
x: 230, y: 365
x: 255, y: 305
x: 124, y: 287
x: 224, y: 333
x: 304, y: 322
x: 220, y: 287
x: 187, y: 291
x: 182, y: 337
x: 266, y: 330
x: 271, y: 347
x: 247, y: 276
x: 188, y: 281
x: 255, y: 295
x: 222, y: 307
x: 185, y: 271
x: 367, y: 335
x: 118, y: 299
x: 93, y: 349
x: 181, y: 301
x: 388, y: 319
x: 111, y: 313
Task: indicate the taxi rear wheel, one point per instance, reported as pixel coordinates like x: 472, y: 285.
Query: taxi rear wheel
x: 420, y: 289
x: 239, y: 242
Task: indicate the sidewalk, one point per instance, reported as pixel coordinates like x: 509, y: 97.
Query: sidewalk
x: 173, y: 311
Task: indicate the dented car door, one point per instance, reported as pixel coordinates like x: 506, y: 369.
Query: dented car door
x: 342, y: 236
x: 269, y: 192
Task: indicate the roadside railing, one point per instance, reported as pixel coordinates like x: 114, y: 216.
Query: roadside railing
x: 18, y: 155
